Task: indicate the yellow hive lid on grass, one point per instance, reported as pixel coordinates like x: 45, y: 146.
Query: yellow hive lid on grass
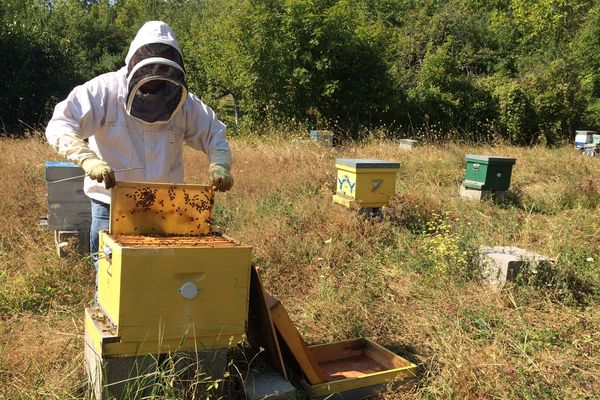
x: 160, y: 209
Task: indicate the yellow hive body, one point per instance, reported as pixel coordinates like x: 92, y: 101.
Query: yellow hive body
x: 365, y: 183
x: 163, y: 284
x: 140, y: 291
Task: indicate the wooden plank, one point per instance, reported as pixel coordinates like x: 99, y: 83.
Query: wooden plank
x: 344, y: 385
x: 295, y: 343
x: 160, y: 208
x: 261, y: 331
x: 383, y: 356
x: 335, y: 351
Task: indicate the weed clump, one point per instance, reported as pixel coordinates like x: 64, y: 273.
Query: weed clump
x: 574, y: 279
x: 445, y: 249
x: 411, y: 212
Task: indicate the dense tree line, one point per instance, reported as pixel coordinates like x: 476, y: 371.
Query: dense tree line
x: 524, y: 70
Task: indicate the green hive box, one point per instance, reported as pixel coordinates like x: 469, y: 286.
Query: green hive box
x: 488, y: 173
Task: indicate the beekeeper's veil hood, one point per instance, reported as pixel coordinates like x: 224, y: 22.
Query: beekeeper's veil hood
x: 156, y: 86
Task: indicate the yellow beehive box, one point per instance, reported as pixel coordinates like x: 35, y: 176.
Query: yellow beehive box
x: 365, y: 183
x: 191, y: 290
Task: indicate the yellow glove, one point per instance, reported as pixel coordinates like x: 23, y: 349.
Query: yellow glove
x: 100, y: 171
x: 220, y: 177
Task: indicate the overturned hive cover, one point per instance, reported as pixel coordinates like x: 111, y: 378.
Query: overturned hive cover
x: 160, y: 209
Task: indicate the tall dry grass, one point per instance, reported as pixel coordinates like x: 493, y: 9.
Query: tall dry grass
x: 341, y: 276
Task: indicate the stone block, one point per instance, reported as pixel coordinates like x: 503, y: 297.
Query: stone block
x: 118, y: 377
x: 408, y: 144
x: 480, y: 195
x: 189, y: 365
x: 501, y: 264
x: 372, y: 213
x: 68, y: 242
x: 268, y: 385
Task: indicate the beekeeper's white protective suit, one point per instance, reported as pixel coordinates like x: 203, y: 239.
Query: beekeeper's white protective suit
x: 139, y: 117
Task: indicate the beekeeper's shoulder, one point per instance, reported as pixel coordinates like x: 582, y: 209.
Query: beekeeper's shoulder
x: 193, y: 106
x: 113, y: 82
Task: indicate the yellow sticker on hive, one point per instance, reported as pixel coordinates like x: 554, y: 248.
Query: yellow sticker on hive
x: 160, y: 209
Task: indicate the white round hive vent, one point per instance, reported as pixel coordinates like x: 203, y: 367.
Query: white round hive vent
x: 189, y: 290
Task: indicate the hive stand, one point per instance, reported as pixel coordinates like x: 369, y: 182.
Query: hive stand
x: 481, y: 195
x: 133, y: 377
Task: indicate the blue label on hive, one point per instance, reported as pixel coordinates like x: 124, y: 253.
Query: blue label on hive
x: 346, y: 180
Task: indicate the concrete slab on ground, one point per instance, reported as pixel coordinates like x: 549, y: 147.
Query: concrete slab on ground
x: 268, y: 385
x: 501, y: 264
x: 480, y: 195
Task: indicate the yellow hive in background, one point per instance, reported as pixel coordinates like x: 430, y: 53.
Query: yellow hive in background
x: 365, y: 183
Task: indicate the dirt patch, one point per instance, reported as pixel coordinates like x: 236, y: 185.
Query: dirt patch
x: 210, y: 240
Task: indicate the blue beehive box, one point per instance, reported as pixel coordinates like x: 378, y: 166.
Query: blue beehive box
x: 68, y: 207
x: 322, y: 136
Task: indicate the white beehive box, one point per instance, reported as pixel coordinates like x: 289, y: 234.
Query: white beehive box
x: 586, y: 137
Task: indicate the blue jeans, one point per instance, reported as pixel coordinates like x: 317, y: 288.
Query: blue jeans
x: 100, y: 220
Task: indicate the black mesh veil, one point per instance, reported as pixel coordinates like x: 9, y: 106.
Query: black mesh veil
x: 155, y: 82
x: 151, y: 50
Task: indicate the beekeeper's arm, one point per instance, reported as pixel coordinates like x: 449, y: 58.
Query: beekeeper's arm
x: 206, y: 133
x: 76, y: 118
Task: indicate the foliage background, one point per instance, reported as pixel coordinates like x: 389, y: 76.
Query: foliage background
x: 525, y: 71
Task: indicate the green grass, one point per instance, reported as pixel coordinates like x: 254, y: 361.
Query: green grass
x: 408, y: 281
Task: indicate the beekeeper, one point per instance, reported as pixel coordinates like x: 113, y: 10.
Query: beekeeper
x: 136, y: 120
